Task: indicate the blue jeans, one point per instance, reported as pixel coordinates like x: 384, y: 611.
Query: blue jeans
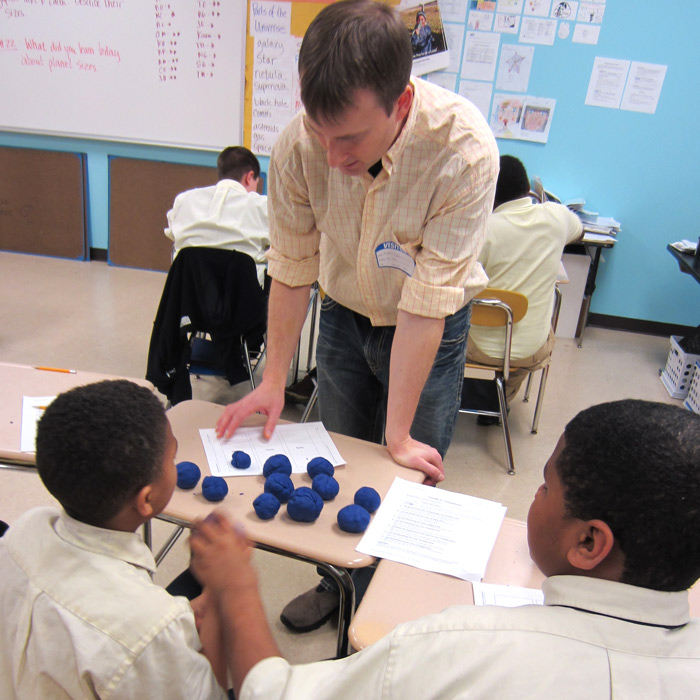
x: 353, y: 377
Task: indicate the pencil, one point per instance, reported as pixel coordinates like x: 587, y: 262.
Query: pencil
x: 56, y: 369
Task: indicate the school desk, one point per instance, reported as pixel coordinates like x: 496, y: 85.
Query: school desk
x: 398, y: 593
x: 322, y: 542
x: 17, y: 381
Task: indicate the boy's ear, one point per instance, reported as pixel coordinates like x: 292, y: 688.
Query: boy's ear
x: 594, y: 542
x: 143, y: 502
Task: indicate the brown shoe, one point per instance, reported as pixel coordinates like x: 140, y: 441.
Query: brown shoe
x: 310, y: 610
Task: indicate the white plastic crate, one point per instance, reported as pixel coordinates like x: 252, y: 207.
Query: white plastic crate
x: 679, y: 370
x: 692, y: 403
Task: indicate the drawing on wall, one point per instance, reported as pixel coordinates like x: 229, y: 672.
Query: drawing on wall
x: 524, y: 118
x: 489, y: 5
x: 428, y: 40
x: 537, y: 8
x: 564, y: 10
x: 514, y: 67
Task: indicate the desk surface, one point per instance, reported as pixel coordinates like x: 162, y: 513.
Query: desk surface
x: 367, y: 465
x: 17, y: 381
x: 398, y: 593
x: 687, y: 263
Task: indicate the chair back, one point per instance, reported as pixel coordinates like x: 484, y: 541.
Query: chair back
x: 492, y: 314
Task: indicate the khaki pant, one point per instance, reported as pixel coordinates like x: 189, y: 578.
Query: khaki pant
x: 519, y: 369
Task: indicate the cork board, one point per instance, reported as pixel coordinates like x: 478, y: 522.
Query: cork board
x: 141, y: 192
x: 42, y: 202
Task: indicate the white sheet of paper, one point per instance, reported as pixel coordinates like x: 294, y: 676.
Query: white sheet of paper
x: 643, y: 87
x: 506, y: 596
x: 433, y: 529
x: 32, y: 410
x: 514, y: 67
x: 301, y: 442
x: 607, y: 82
x: 480, y: 53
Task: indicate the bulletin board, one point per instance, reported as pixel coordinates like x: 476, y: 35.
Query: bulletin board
x: 141, y: 192
x: 168, y: 72
x: 42, y: 202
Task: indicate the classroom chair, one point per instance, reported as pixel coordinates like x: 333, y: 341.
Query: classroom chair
x: 494, y: 307
x: 211, y: 296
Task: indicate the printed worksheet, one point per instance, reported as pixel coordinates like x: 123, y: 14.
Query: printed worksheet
x: 301, y: 442
x: 33, y: 408
x: 506, y: 596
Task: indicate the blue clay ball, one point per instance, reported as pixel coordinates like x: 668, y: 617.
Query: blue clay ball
x: 277, y: 463
x: 305, y: 505
x: 240, y: 459
x: 325, y: 486
x: 353, y: 518
x: 266, y: 506
x: 187, y: 475
x: 319, y: 465
x: 368, y: 498
x: 214, y: 488
x: 280, y: 486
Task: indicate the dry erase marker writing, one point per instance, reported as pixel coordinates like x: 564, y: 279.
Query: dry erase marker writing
x: 56, y: 369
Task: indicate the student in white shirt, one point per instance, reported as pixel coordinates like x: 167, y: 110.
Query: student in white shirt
x: 614, y: 528
x: 81, y: 617
x: 230, y: 215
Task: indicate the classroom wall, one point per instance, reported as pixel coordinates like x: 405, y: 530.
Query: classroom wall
x: 639, y: 168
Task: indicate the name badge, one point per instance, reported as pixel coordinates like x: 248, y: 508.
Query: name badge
x: 391, y: 254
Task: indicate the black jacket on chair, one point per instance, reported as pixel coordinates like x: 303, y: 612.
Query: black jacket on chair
x: 207, y: 290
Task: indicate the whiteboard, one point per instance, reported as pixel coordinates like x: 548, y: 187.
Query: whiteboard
x: 167, y: 72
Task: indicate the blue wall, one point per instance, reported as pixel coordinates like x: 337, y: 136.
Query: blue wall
x: 641, y: 169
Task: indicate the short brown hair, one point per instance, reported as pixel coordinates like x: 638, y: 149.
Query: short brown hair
x: 235, y: 162
x: 353, y: 45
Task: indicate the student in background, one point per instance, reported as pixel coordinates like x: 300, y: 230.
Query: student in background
x: 381, y: 190
x: 612, y: 527
x: 522, y: 253
x: 230, y: 214
x: 81, y: 617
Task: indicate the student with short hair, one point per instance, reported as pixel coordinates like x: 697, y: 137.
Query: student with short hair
x: 81, y: 617
x: 613, y: 527
x: 229, y: 215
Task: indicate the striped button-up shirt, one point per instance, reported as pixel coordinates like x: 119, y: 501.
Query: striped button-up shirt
x: 433, y: 197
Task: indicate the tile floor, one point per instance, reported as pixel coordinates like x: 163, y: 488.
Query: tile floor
x: 98, y: 318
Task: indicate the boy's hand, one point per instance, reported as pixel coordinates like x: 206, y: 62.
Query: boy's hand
x: 221, y: 556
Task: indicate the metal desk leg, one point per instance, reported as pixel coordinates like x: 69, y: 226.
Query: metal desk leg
x: 346, y: 587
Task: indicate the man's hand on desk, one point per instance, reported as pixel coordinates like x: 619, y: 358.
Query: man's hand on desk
x: 266, y: 398
x: 417, y: 455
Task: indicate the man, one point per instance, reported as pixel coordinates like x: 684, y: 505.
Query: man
x: 230, y: 214
x: 382, y: 191
x: 522, y: 253
x: 611, y: 527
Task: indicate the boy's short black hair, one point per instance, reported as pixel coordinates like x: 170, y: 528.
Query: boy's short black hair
x: 235, y: 162
x: 512, y: 180
x: 636, y: 466
x: 98, y: 445
x: 352, y: 45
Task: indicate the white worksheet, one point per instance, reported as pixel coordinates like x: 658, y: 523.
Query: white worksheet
x: 434, y: 529
x: 301, y: 442
x: 506, y: 596
x: 32, y: 410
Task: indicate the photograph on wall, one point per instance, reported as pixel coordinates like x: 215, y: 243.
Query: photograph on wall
x: 428, y: 39
x: 525, y: 118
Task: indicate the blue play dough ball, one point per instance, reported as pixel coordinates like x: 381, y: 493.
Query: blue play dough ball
x: 266, y: 506
x: 280, y: 486
x: 187, y: 475
x: 305, y: 505
x: 214, y: 488
x: 368, y: 498
x: 319, y: 465
x: 353, y: 518
x: 240, y: 459
x: 325, y: 486
x: 277, y: 463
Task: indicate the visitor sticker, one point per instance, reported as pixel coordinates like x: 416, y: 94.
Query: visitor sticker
x: 391, y: 254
